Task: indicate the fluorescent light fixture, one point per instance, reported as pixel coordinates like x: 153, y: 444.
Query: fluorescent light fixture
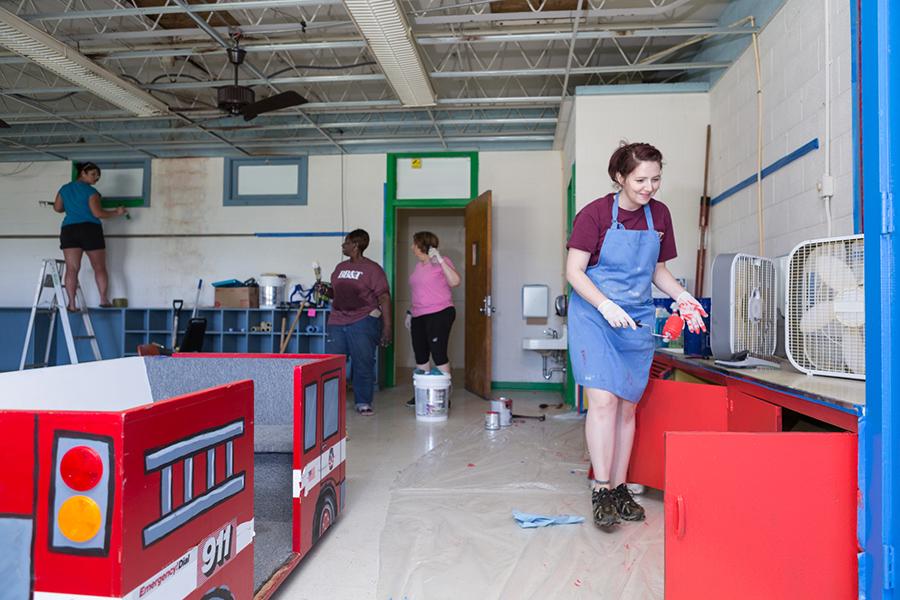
x: 26, y: 40
x: 383, y: 25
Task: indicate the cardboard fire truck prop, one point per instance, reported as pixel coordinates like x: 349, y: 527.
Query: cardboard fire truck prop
x: 157, y: 478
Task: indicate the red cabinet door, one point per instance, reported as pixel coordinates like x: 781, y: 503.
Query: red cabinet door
x: 746, y: 413
x: 759, y: 515
x: 672, y: 406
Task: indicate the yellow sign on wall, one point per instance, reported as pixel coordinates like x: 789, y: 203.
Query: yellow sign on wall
x: 417, y: 163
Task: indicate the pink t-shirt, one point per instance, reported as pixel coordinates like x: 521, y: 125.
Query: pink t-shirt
x: 429, y: 288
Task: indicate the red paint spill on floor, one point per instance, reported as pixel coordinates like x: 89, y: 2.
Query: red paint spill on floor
x: 470, y: 465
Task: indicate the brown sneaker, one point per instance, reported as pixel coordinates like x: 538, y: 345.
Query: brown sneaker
x: 604, y: 504
x: 626, y: 506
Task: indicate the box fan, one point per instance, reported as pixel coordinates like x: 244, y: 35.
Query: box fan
x: 743, y: 315
x: 825, y: 307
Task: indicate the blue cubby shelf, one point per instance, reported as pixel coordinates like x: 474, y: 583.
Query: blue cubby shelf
x: 121, y: 330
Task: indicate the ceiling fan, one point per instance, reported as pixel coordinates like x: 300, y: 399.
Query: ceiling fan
x: 241, y: 100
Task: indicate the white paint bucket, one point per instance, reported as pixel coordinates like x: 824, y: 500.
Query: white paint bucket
x: 432, y: 396
x: 503, y: 406
x: 271, y: 289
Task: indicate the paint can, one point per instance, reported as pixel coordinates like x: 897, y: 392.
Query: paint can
x: 503, y: 406
x: 271, y: 289
x: 432, y: 396
x: 492, y: 420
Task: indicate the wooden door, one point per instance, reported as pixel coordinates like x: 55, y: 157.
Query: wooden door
x: 672, y: 406
x: 479, y: 306
x: 760, y: 515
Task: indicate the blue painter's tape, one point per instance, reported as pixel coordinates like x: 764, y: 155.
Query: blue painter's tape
x: 778, y: 164
x: 300, y: 234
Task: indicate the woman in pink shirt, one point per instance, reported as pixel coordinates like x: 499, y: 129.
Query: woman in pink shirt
x: 432, y: 314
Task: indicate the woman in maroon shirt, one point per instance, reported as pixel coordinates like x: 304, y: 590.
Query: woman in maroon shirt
x: 618, y: 247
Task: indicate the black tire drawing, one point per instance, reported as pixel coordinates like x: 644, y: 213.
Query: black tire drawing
x: 326, y: 512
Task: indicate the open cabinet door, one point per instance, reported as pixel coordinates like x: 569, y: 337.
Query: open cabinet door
x: 479, y: 307
x: 760, y: 515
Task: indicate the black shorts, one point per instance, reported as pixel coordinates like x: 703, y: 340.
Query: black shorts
x: 431, y: 334
x: 87, y: 236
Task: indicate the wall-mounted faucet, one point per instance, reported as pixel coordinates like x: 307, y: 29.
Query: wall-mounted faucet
x: 550, y: 332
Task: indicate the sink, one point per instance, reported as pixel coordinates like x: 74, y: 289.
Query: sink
x: 544, y: 343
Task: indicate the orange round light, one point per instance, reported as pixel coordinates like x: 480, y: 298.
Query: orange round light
x: 79, y: 518
x: 81, y: 468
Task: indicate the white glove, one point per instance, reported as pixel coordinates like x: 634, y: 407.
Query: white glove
x: 691, y: 311
x: 435, y: 255
x: 615, y: 315
x: 408, y: 320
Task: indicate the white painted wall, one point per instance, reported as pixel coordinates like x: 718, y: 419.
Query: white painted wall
x: 676, y: 124
x: 449, y: 226
x: 187, y: 200
x: 528, y: 246
x: 792, y: 51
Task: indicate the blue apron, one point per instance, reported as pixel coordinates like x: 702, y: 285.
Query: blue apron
x: 608, y: 358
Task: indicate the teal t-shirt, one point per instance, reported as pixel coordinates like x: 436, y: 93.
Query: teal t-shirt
x: 75, y: 196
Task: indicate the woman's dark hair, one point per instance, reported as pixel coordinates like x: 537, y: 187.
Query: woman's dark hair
x: 425, y: 241
x: 359, y: 238
x: 85, y: 167
x: 627, y: 157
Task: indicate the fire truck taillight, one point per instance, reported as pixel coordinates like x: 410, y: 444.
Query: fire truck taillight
x: 81, y: 468
x: 79, y: 518
x: 81, y: 493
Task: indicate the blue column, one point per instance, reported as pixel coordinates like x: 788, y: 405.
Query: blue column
x: 879, y: 86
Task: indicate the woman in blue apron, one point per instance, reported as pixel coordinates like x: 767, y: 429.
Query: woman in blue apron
x: 618, y: 247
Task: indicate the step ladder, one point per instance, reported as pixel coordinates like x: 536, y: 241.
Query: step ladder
x: 51, y: 278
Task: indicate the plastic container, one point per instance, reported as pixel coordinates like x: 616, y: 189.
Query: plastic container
x: 271, y: 289
x: 432, y: 397
x: 492, y: 420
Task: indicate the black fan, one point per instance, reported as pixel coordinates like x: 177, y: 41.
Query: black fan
x: 240, y: 100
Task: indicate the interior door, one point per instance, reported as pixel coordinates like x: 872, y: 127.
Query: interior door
x: 760, y: 515
x: 672, y: 406
x: 479, y: 307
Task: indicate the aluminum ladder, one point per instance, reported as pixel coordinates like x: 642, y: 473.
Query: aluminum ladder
x: 50, y: 278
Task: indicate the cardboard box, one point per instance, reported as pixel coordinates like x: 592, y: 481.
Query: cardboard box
x: 237, y: 297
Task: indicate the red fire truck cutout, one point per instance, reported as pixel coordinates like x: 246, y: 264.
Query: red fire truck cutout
x: 114, y: 489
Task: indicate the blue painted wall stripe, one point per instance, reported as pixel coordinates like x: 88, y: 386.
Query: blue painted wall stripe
x: 778, y: 164
x: 284, y: 234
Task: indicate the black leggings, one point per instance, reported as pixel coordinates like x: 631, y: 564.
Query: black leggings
x: 431, y: 335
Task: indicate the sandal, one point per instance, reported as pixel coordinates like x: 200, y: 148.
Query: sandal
x: 365, y: 410
x: 107, y: 305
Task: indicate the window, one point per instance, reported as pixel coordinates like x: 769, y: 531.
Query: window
x: 332, y: 406
x: 265, y: 181
x: 310, y: 412
x: 123, y: 183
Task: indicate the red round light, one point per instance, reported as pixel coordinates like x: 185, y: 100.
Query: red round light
x: 81, y: 468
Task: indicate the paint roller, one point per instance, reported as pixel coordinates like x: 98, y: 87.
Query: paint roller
x: 671, y: 330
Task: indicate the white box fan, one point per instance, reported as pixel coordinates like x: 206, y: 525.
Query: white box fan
x: 825, y: 315
x: 743, y: 315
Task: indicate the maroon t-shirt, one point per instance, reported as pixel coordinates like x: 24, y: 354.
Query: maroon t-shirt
x: 357, y: 286
x: 594, y: 220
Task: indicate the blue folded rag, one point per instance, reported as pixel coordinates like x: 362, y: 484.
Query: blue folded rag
x: 528, y: 520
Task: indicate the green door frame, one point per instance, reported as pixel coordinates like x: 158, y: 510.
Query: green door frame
x: 570, y: 217
x: 392, y: 204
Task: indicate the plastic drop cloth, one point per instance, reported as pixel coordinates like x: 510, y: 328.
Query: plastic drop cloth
x: 449, y: 531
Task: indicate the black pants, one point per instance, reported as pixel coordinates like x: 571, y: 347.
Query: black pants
x: 431, y: 335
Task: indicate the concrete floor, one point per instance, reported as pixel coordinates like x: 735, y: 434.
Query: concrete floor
x: 428, y: 512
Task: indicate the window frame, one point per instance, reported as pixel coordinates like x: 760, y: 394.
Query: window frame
x: 232, y: 168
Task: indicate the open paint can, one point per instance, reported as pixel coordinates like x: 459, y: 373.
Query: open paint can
x: 503, y: 405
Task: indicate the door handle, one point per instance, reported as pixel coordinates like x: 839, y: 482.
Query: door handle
x: 487, y: 307
x: 679, y: 517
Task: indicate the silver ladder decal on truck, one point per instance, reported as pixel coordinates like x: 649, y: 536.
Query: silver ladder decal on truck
x: 185, y: 449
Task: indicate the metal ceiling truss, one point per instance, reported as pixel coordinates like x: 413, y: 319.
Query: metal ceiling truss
x: 499, y: 70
